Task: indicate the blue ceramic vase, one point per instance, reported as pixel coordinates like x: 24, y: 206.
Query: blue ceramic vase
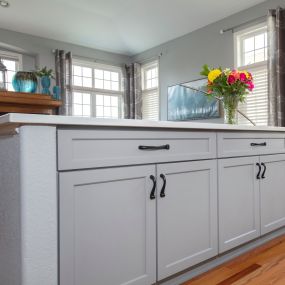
x: 45, y: 81
x: 25, y: 82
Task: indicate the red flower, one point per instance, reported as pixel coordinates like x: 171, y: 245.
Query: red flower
x: 242, y: 77
x: 250, y: 85
x: 231, y: 79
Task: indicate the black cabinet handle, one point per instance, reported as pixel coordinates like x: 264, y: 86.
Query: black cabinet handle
x: 162, y: 192
x: 264, y: 170
x: 150, y: 147
x: 152, y: 193
x: 259, y: 170
x: 258, y: 144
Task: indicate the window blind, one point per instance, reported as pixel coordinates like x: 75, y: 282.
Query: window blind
x: 150, y: 105
x: 256, y: 105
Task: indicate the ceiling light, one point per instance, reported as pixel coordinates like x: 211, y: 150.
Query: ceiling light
x: 4, y: 4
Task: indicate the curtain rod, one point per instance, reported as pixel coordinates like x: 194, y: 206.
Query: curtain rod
x: 102, y: 61
x: 150, y: 59
x: 242, y: 25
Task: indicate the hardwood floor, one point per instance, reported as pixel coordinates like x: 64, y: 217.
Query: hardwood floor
x: 262, y: 266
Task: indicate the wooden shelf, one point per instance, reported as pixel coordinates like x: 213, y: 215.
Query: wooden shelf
x: 16, y: 102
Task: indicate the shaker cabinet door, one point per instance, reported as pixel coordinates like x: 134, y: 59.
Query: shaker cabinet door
x: 238, y: 195
x: 107, y: 227
x: 272, y: 193
x: 187, y: 215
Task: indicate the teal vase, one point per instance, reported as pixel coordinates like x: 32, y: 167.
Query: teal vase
x: 24, y: 81
x: 45, y: 81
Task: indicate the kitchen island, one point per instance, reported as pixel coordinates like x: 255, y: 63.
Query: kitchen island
x: 107, y: 202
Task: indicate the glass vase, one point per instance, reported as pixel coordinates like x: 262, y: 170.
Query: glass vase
x: 230, y: 109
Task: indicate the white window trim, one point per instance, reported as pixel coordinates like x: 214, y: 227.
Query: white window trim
x: 13, y: 56
x: 94, y: 91
x: 239, y: 36
x: 145, y: 67
x: 238, y: 41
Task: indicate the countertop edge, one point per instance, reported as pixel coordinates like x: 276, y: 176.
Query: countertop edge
x: 15, y: 119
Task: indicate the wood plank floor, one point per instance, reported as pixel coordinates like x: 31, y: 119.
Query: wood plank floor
x: 262, y: 266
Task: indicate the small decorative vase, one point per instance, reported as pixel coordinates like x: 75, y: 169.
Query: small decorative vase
x: 56, y: 93
x: 45, y: 81
x: 230, y: 109
x: 25, y: 82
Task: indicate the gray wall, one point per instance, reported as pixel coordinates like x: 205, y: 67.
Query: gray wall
x: 182, y: 58
x: 37, y: 52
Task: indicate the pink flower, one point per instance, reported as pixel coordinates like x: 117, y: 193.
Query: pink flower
x: 242, y: 77
x: 235, y: 73
x: 231, y: 79
x: 250, y: 86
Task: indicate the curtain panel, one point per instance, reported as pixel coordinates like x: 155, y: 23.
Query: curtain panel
x: 276, y: 67
x: 63, y: 76
x: 133, y: 91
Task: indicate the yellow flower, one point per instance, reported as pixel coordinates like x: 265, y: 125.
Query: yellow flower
x: 213, y: 74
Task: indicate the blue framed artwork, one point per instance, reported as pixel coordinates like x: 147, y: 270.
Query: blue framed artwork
x: 185, y: 104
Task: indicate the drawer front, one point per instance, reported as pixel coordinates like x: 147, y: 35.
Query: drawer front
x: 79, y: 149
x: 245, y: 144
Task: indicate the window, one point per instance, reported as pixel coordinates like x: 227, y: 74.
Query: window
x: 13, y: 63
x: 150, y: 91
x: 97, y: 90
x: 251, y: 54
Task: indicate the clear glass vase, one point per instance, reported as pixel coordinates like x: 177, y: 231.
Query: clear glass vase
x: 230, y: 104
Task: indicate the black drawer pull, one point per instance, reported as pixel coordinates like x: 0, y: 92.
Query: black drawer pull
x: 152, y: 193
x: 150, y: 147
x: 258, y: 144
x: 263, y: 173
x: 259, y: 170
x: 162, y: 192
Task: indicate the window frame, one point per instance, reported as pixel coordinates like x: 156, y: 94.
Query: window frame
x: 238, y: 41
x: 17, y: 57
x: 147, y: 91
x: 98, y: 91
x: 239, y: 37
x: 12, y: 56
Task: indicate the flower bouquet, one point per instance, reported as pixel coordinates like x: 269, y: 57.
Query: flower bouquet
x: 229, y: 86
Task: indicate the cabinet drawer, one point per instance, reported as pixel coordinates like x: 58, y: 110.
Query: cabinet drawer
x: 79, y: 149
x: 244, y: 144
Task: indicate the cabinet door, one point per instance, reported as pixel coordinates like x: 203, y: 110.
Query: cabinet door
x: 187, y: 215
x: 239, y: 219
x: 272, y: 193
x: 107, y: 227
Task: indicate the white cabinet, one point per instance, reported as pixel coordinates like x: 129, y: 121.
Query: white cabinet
x: 238, y: 195
x: 187, y: 215
x: 272, y: 193
x: 107, y: 227
x: 108, y: 222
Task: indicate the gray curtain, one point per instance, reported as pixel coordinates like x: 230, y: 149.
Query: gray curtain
x: 276, y: 64
x: 133, y: 92
x: 63, y: 75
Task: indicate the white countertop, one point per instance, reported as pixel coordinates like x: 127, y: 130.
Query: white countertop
x: 14, y: 120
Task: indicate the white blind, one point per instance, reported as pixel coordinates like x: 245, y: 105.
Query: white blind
x: 150, y: 105
x: 256, y: 105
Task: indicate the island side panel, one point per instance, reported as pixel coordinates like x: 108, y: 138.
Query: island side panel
x: 39, y: 217
x: 10, y: 220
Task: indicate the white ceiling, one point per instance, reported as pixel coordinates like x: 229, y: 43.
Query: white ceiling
x: 121, y: 26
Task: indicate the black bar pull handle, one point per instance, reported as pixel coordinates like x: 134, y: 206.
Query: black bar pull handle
x: 258, y: 144
x: 259, y: 170
x: 152, y: 193
x: 264, y: 170
x: 162, y: 192
x: 150, y: 147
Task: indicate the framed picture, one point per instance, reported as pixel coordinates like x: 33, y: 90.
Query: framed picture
x: 185, y: 104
